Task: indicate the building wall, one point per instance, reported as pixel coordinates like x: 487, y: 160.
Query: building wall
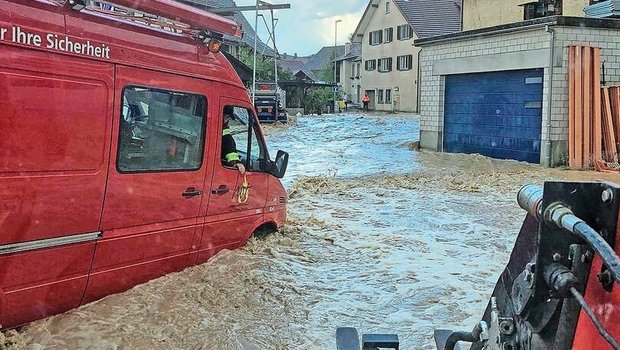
x: 402, y: 83
x: 488, y: 13
x: 349, y: 79
x: 524, y: 49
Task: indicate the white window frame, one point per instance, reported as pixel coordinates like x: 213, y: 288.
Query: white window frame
x: 373, y: 65
x: 388, y: 35
x: 404, y: 29
x: 384, y: 65
x: 404, y: 63
x: 376, y: 37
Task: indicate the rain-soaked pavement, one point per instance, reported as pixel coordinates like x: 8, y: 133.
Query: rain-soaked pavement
x: 380, y: 237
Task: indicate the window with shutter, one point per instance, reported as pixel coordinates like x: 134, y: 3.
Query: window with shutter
x: 404, y: 32
x: 370, y: 65
x: 404, y: 62
x: 385, y: 65
x: 388, y: 35
x: 376, y: 37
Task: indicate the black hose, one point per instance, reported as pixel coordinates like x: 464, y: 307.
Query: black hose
x: 600, y: 246
x: 470, y: 337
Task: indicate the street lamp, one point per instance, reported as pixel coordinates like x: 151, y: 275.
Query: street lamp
x: 335, y: 53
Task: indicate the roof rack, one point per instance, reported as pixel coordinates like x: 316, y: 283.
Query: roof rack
x: 175, y: 16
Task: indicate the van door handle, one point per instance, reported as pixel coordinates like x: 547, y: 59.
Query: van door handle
x: 222, y: 190
x: 191, y: 192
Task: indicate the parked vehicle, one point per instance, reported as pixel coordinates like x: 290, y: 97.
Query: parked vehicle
x: 268, y: 102
x: 110, y: 139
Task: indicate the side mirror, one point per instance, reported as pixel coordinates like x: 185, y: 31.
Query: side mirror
x: 278, y: 168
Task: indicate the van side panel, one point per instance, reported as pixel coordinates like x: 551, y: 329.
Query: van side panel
x: 121, y: 279
x: 53, y: 144
x: 33, y: 14
x: 131, y: 258
x: 32, y: 289
x: 149, y: 226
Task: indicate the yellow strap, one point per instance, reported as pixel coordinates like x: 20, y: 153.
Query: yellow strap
x: 243, y: 194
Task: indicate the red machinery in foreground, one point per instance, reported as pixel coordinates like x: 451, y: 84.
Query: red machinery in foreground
x: 560, y: 288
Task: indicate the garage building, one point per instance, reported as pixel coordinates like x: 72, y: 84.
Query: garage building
x: 490, y: 91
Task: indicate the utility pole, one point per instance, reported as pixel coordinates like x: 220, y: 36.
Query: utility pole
x: 272, y: 37
x: 255, y: 42
x: 261, y: 5
x: 335, y: 64
x: 274, y: 21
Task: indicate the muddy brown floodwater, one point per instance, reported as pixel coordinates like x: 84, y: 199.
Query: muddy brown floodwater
x: 380, y: 237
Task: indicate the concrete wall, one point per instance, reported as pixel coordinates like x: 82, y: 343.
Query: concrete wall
x: 487, y: 13
x: 523, y: 49
x: 402, y: 83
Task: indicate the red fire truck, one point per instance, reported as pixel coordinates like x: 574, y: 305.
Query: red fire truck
x: 111, y: 127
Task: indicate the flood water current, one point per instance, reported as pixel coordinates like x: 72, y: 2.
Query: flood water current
x: 380, y: 237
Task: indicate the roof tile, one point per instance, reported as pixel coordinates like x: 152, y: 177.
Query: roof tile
x: 432, y: 17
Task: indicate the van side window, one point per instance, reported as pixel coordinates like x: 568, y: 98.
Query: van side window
x: 161, y: 130
x: 241, y: 124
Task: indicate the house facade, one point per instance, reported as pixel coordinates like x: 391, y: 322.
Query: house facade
x: 489, y: 13
x: 349, y: 72
x: 390, y: 61
x: 502, y: 91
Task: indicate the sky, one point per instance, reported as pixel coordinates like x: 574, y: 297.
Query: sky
x: 309, y: 24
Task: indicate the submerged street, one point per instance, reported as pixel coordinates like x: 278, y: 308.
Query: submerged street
x: 380, y: 237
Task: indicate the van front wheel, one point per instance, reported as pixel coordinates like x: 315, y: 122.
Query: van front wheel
x: 265, y: 230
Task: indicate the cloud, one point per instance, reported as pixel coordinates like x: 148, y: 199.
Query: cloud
x: 309, y: 24
x: 345, y: 28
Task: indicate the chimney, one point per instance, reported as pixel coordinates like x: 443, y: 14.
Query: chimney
x: 347, y: 48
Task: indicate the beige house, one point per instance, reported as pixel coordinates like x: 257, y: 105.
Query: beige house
x: 389, y: 65
x: 488, y: 13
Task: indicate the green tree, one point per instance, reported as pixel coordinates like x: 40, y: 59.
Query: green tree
x: 318, y: 98
x: 264, y: 65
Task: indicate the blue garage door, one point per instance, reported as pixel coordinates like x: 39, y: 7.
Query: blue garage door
x: 496, y: 114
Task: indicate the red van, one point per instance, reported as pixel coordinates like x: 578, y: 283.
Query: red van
x: 111, y: 171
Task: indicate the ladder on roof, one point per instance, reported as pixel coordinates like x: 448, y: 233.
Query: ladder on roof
x: 169, y: 15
